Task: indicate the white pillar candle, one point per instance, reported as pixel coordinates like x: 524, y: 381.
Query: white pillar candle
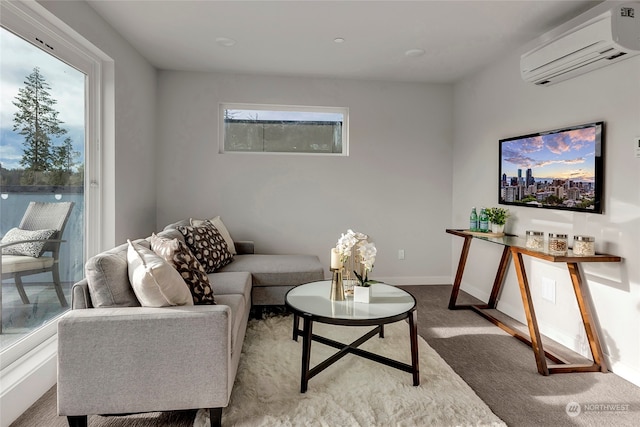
x: 336, y: 263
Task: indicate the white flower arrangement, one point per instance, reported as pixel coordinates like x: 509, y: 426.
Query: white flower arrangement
x: 346, y: 242
x: 366, y: 252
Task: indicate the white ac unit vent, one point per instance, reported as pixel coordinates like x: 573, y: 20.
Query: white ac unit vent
x: 606, y: 34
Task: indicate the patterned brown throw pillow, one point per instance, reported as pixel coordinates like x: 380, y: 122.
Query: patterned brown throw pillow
x: 207, y: 244
x: 176, y: 253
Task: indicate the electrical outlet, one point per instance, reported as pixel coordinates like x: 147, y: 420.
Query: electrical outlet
x: 637, y: 146
x: 549, y: 290
x: 400, y: 253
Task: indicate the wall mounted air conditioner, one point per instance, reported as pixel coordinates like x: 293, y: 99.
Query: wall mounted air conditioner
x: 608, y: 33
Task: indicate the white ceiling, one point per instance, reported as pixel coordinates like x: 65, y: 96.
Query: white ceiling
x: 297, y: 37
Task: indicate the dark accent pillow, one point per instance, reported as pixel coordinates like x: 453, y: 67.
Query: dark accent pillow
x: 178, y: 254
x: 207, y: 245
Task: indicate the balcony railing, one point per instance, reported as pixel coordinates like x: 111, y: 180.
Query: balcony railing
x: 19, y: 319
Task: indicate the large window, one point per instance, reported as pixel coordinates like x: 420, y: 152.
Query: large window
x: 283, y: 129
x: 48, y: 153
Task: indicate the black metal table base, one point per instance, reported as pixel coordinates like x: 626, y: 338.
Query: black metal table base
x: 308, y: 336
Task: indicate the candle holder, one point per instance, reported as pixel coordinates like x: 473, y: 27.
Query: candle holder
x: 337, y: 289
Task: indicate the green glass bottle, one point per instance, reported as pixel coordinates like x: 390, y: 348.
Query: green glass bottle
x: 484, y: 221
x: 473, y: 220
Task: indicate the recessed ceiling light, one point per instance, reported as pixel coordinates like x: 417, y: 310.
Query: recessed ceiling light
x: 414, y: 52
x: 225, y: 41
x: 338, y: 40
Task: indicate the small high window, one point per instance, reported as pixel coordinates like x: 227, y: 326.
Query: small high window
x: 283, y: 129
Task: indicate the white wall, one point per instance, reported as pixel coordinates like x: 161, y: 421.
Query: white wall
x: 394, y: 186
x: 129, y: 187
x: 496, y: 104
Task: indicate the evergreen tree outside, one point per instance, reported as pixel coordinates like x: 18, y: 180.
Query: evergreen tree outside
x: 37, y: 121
x: 62, y: 163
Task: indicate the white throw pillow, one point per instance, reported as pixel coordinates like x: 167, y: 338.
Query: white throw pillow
x: 154, y: 281
x: 217, y: 223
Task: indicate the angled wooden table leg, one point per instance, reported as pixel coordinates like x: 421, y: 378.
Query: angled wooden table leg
x: 497, y: 283
x: 499, y: 280
x: 460, y: 271
x: 527, y: 302
x: 587, y: 318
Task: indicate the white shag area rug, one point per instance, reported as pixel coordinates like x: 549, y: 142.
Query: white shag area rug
x: 352, y: 392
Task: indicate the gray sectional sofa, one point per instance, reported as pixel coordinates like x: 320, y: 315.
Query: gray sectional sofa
x: 116, y: 357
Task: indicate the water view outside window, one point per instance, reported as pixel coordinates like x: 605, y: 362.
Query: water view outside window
x: 42, y: 145
x: 280, y: 129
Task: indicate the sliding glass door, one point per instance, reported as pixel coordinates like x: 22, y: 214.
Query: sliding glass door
x: 48, y: 154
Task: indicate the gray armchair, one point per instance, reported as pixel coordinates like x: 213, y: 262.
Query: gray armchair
x: 39, y: 216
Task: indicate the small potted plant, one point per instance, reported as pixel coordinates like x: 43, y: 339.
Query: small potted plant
x: 497, y: 218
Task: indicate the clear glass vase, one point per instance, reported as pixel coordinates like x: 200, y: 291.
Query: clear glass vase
x: 352, y: 265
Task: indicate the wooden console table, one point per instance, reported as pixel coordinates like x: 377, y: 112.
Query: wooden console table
x: 515, y: 247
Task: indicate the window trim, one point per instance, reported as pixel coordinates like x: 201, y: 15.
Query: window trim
x: 28, y: 21
x: 222, y: 106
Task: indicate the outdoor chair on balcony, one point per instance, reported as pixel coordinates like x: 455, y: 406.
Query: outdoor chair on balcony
x: 39, y: 234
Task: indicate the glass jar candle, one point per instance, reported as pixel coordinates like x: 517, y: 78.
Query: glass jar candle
x: 557, y: 244
x: 584, y: 245
x: 535, y: 240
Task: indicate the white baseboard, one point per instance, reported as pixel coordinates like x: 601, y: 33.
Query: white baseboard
x: 27, y: 379
x: 416, y: 280
x: 623, y: 370
x: 481, y: 294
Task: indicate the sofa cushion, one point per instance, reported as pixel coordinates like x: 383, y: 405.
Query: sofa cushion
x: 108, y: 279
x: 155, y: 282
x: 231, y: 283
x: 32, y: 249
x: 219, y: 225
x: 176, y: 253
x: 208, y: 246
x: 278, y: 270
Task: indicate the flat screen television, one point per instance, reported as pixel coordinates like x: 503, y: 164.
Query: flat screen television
x: 557, y: 169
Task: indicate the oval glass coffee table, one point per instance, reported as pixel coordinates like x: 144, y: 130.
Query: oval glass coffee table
x: 389, y: 304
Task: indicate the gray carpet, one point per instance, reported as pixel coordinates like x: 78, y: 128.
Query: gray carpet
x: 499, y: 368
x: 502, y: 370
